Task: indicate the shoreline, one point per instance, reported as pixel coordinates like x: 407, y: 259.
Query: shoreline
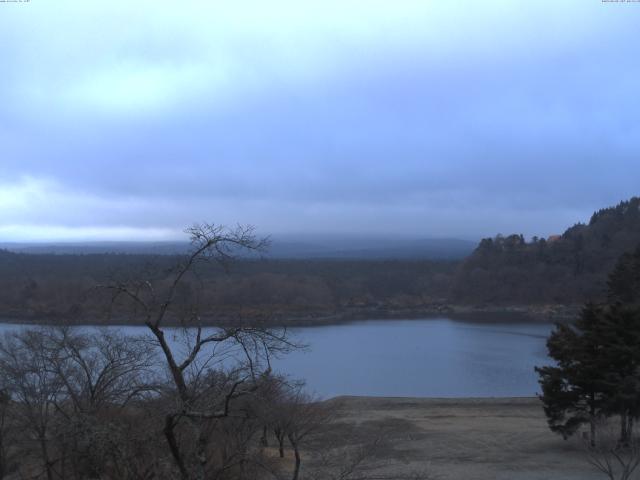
x: 468, y: 313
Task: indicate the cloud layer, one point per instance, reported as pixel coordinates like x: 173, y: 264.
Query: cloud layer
x: 133, y: 119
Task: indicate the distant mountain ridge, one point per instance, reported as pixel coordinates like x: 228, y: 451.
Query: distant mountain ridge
x: 565, y: 268
x: 281, y: 248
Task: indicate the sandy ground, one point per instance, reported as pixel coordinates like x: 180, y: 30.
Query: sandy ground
x: 478, y: 439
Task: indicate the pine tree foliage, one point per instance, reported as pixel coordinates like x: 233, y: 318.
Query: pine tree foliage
x: 597, y: 359
x: 573, y: 391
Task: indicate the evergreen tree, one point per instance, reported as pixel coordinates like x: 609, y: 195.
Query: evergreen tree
x: 597, y: 371
x: 573, y: 390
x: 622, y: 331
x: 624, y: 280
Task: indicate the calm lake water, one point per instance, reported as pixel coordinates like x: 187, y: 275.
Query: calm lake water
x: 421, y: 358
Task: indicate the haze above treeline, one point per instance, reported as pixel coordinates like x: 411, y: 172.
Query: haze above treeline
x: 282, y: 246
x: 293, y: 246
x: 323, y: 246
x: 557, y: 273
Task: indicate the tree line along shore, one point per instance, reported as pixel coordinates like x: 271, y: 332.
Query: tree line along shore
x: 544, y: 278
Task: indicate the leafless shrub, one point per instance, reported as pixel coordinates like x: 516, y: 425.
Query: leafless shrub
x: 35, y: 390
x: 298, y: 416
x: 66, y: 394
x: 614, y: 460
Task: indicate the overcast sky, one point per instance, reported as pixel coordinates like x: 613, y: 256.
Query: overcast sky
x: 133, y: 119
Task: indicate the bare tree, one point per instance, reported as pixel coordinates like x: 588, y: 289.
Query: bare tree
x: 294, y: 415
x: 35, y: 388
x: 66, y: 395
x: 197, y: 396
x: 5, y: 429
x: 102, y: 372
x: 102, y: 369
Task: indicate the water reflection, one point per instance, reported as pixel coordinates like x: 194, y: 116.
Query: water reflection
x: 431, y: 358
x: 423, y: 358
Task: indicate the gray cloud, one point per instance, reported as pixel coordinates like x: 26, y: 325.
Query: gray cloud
x: 520, y: 120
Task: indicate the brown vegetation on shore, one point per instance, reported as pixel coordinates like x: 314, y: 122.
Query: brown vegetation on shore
x: 475, y: 438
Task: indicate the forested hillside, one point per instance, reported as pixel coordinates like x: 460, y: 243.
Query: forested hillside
x: 568, y: 268
x: 505, y: 270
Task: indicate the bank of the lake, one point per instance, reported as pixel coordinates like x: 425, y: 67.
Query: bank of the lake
x: 486, y: 313
x: 464, y: 438
x: 473, y: 313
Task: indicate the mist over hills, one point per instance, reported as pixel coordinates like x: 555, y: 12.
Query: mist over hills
x: 282, y: 247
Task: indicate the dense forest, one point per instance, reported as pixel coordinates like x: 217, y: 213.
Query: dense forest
x: 506, y: 270
x: 568, y: 268
x: 61, y: 287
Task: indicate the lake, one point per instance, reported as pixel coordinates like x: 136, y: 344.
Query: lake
x: 421, y: 358
x: 437, y: 357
